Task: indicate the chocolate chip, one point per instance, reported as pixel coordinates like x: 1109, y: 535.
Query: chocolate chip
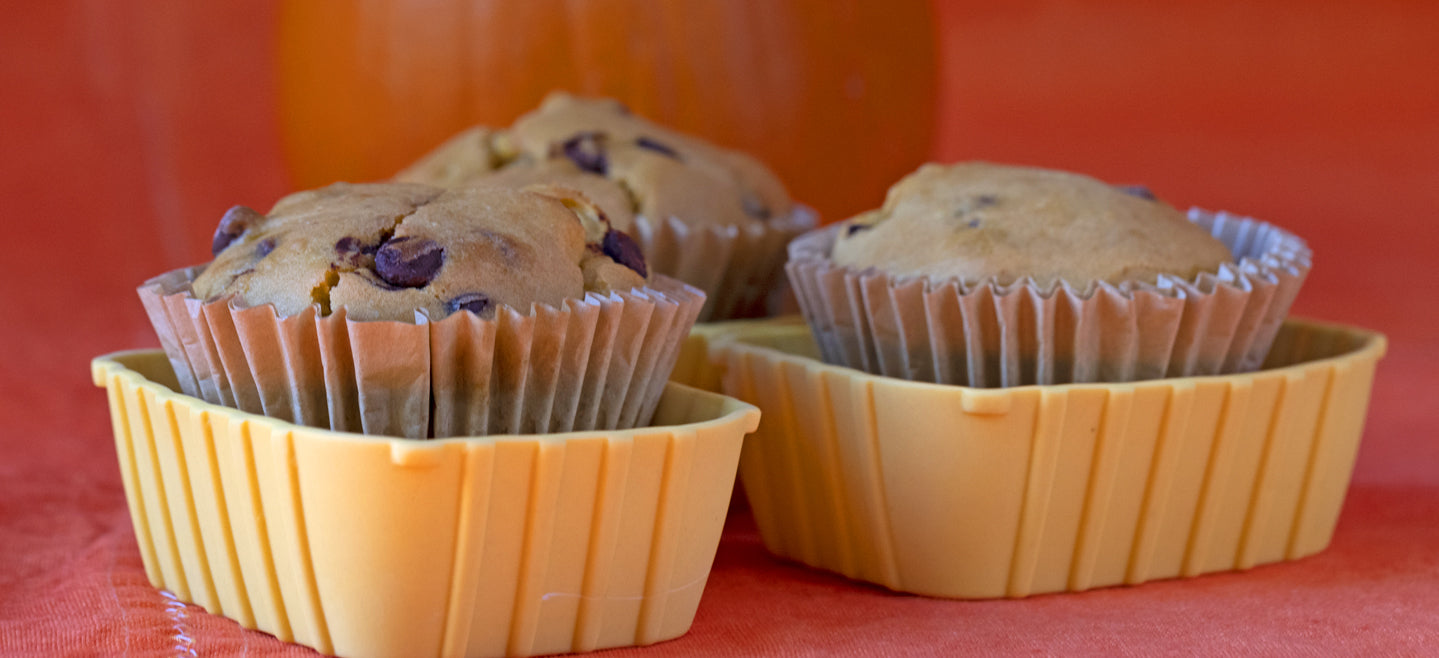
x: 348, y: 245
x: 234, y: 224
x: 264, y: 247
x: 355, y: 253
x: 647, y: 143
x: 474, y: 302
x: 856, y: 228
x: 622, y: 248
x: 587, y: 151
x: 973, y: 223
x: 1137, y: 190
x: 409, y: 262
x: 755, y: 206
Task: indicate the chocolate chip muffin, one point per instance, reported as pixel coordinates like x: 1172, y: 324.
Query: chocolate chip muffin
x: 416, y: 311
x: 989, y: 275
x: 461, y: 159
x: 388, y: 251
x: 669, y: 174
x: 714, y: 217
x: 975, y: 221
x: 608, y: 195
x: 663, y: 172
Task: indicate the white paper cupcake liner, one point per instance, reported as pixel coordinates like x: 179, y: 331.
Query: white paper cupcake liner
x: 738, y: 267
x: 981, y: 333
x: 594, y: 363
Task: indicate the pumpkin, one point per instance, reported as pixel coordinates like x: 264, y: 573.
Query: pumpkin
x: 837, y: 96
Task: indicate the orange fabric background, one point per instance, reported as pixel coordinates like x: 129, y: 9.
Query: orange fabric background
x: 128, y: 128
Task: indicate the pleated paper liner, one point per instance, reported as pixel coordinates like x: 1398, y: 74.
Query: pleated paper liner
x: 738, y: 267
x: 964, y: 492
x: 593, y: 363
x: 376, y: 546
x: 985, y: 334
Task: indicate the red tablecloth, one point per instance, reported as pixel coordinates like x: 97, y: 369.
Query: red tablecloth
x: 1320, y: 117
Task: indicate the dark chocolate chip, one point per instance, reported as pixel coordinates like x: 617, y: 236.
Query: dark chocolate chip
x: 355, y: 253
x: 264, y: 247
x: 974, y: 223
x: 622, y: 248
x: 587, y: 151
x: 755, y: 206
x: 856, y: 228
x: 474, y: 302
x: 1137, y: 190
x: 409, y: 262
x: 657, y: 147
x: 234, y: 224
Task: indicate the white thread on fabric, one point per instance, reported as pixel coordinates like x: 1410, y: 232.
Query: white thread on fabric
x: 184, y: 643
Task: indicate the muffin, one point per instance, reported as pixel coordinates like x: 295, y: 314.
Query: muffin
x: 990, y: 275
x: 417, y: 311
x: 975, y: 221
x: 715, y: 218
x: 389, y: 251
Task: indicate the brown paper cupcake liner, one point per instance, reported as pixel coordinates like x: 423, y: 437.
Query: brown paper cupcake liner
x: 594, y: 363
x: 738, y: 267
x: 982, y: 333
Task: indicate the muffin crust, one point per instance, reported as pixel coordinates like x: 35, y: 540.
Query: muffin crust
x: 974, y: 221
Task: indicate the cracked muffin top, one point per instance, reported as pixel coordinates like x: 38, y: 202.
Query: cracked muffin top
x: 385, y: 251
x: 977, y: 220
x: 651, y: 170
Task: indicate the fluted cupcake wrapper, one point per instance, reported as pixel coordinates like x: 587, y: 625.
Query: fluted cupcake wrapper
x: 983, y: 333
x: 738, y: 267
x: 593, y: 363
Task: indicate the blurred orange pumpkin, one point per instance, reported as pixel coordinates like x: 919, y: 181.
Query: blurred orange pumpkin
x: 837, y: 95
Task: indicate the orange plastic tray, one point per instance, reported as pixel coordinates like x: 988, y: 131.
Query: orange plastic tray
x: 977, y: 493
x: 693, y: 366
x: 372, y: 546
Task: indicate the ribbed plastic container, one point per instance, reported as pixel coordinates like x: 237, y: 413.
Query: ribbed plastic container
x: 372, y: 546
x: 980, y: 493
